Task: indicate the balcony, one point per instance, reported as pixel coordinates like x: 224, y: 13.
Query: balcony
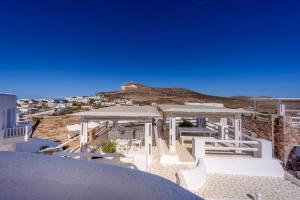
x: 20, y: 133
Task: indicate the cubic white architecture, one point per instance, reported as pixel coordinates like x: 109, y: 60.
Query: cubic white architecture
x: 11, y: 130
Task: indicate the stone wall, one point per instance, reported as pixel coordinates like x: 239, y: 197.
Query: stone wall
x: 279, y: 138
x: 261, y: 127
x: 291, y: 137
x: 285, y: 134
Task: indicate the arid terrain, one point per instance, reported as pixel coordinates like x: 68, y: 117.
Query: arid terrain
x: 54, y: 127
x: 143, y: 94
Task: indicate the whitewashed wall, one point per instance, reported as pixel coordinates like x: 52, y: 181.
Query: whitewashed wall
x: 8, y: 104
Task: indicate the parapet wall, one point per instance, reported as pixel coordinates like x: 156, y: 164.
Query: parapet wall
x: 262, y: 127
x: 285, y: 134
x: 291, y: 136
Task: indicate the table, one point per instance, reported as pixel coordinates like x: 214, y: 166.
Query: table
x: 186, y: 133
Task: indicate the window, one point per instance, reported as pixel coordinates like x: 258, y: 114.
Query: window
x: 3, y: 120
x: 8, y: 122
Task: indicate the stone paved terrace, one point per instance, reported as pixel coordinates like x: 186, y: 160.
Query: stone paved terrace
x: 220, y: 186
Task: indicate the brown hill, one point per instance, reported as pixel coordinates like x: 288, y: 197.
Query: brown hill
x: 143, y: 94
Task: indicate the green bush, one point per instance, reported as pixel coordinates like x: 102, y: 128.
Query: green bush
x: 185, y: 123
x: 35, y: 119
x: 109, y: 147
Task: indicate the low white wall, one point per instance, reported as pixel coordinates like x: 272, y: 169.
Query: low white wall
x: 193, y: 179
x: 165, y: 157
x: 237, y: 165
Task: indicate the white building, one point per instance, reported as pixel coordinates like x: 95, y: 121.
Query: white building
x: 11, y: 130
x: 63, y: 105
x: 128, y: 86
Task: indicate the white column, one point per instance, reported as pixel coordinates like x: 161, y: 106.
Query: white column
x: 83, y: 132
x: 148, y: 141
x: 26, y: 133
x: 281, y: 109
x: 172, y: 134
x: 223, y: 121
x: 221, y: 127
x: 198, y: 148
x: 237, y: 130
x: 221, y: 131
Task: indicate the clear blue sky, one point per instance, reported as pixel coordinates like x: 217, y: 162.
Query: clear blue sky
x: 234, y: 47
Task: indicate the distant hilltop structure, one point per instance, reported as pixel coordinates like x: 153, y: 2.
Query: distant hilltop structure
x: 130, y: 85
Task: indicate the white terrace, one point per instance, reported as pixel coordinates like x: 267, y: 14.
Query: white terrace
x: 216, y: 143
x: 134, y: 115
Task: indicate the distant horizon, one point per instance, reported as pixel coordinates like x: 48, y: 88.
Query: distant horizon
x: 221, y: 48
x: 118, y: 89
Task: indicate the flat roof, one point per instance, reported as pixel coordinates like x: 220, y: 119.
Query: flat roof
x: 200, y: 109
x: 122, y: 112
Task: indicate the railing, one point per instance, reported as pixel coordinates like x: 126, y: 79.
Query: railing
x: 232, y: 145
x: 21, y: 129
x: 247, y: 143
x: 15, y: 132
x: 212, y: 126
x: 296, y: 121
x: 99, y: 129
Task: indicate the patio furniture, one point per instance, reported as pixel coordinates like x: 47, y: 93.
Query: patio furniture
x: 122, y: 145
x: 136, y: 144
x: 189, y: 133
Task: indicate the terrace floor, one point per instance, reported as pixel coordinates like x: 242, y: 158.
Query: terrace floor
x: 221, y: 186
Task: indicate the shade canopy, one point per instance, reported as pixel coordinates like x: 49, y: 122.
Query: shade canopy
x: 197, y: 110
x: 77, y: 127
x: 121, y: 113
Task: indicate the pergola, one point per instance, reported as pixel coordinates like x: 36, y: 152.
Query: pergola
x: 143, y: 114
x: 201, y: 111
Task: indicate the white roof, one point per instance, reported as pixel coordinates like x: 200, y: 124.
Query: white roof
x: 200, y: 109
x: 34, y: 176
x: 77, y: 127
x: 121, y: 112
x: 74, y: 127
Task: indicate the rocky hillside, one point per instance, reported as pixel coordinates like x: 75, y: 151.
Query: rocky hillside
x: 143, y: 94
x: 54, y: 127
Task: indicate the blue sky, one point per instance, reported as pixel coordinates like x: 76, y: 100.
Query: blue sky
x: 66, y: 48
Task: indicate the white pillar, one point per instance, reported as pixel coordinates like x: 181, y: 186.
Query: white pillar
x: 198, y: 148
x: 83, y: 132
x: 221, y: 131
x: 237, y: 130
x: 172, y: 134
x: 223, y: 121
x: 148, y: 141
x: 26, y: 133
x: 281, y: 109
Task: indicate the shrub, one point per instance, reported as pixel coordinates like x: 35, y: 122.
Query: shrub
x: 35, y: 119
x: 185, y: 123
x: 109, y: 147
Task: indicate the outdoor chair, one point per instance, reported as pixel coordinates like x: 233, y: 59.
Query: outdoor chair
x: 136, y: 144
x: 122, y: 145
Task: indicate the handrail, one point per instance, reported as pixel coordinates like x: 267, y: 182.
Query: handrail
x: 99, y: 129
x: 14, y: 132
x: 232, y: 141
x: 231, y: 148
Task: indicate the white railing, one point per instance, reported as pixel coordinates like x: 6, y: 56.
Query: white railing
x: 15, y: 132
x: 23, y: 129
x: 99, y: 129
x: 212, y: 126
x: 296, y: 121
x: 232, y: 145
